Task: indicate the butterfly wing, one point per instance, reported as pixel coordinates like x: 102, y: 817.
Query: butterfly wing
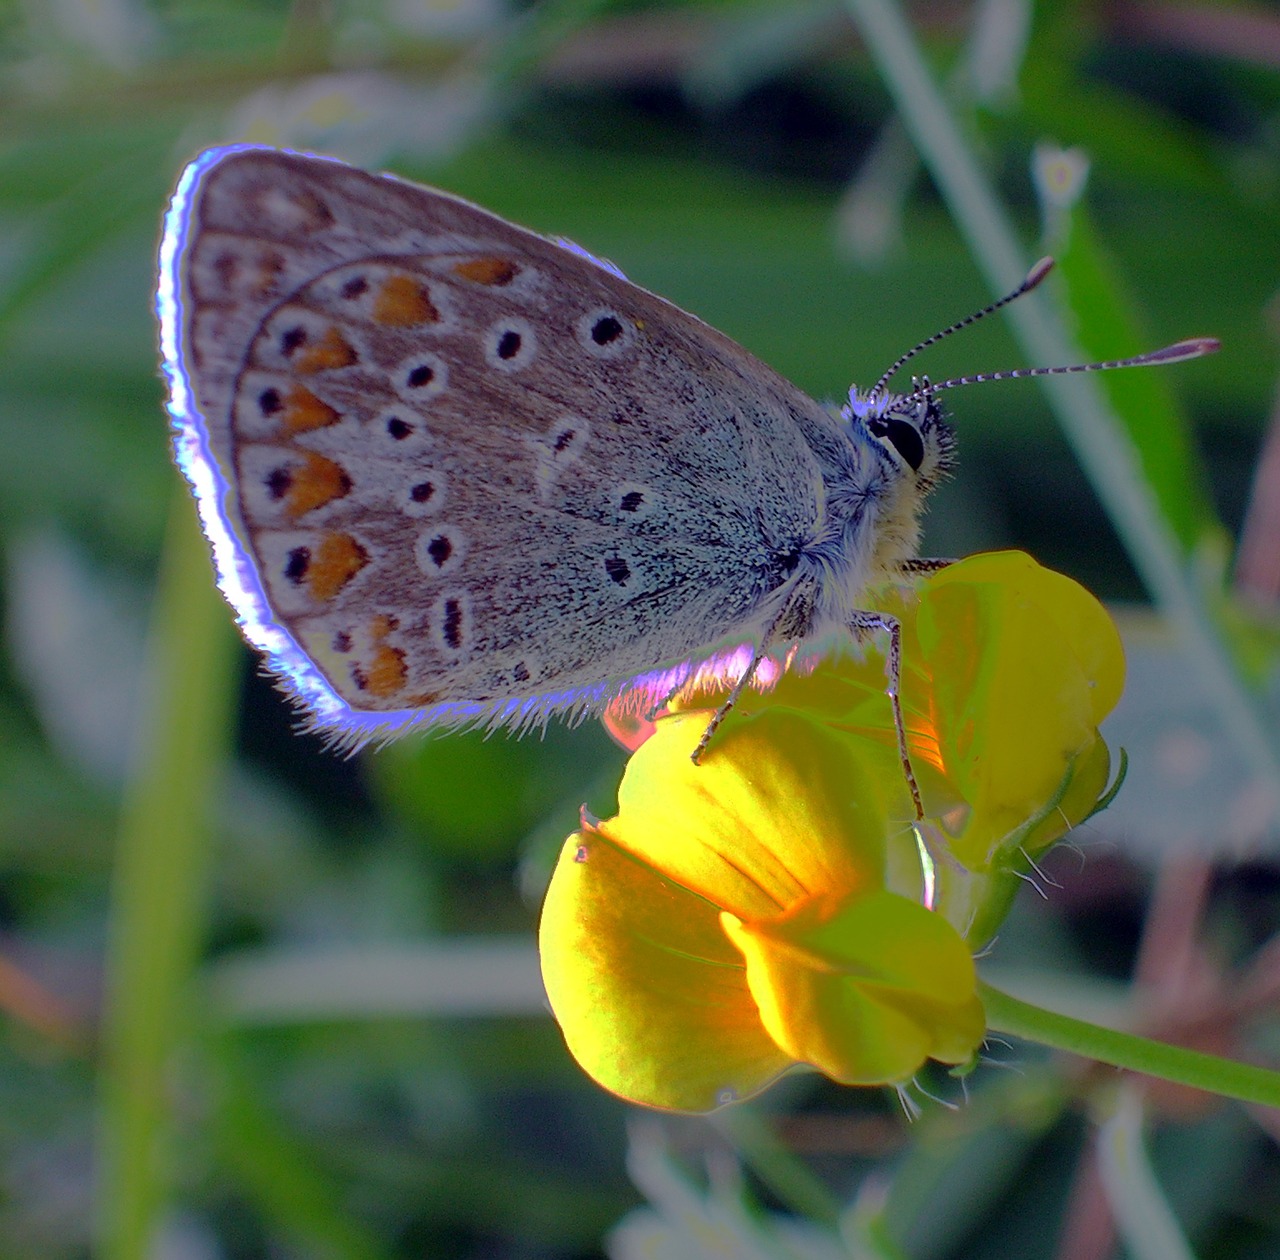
x: 453, y: 470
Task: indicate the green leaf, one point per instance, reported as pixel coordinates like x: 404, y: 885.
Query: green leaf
x: 1107, y: 326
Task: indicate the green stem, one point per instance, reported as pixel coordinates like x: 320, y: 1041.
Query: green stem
x: 159, y: 890
x: 777, y: 1166
x: 274, y: 1168
x: 1006, y: 1014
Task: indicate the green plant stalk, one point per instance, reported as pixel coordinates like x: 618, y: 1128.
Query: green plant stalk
x: 777, y: 1166
x: 276, y: 1170
x: 1098, y: 438
x: 1006, y: 1014
x: 158, y: 895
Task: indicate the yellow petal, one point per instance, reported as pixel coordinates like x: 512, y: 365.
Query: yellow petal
x: 1024, y: 662
x: 865, y: 990
x: 775, y: 811
x: 651, y: 997
x: 1084, y: 623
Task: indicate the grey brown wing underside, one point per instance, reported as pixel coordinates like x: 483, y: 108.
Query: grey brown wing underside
x: 470, y: 463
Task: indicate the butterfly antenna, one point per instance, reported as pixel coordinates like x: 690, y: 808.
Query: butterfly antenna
x: 1192, y: 348
x: 1033, y: 278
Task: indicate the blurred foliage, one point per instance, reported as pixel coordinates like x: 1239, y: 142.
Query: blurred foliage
x: 707, y: 148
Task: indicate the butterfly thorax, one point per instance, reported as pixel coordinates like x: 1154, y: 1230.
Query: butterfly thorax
x: 899, y: 446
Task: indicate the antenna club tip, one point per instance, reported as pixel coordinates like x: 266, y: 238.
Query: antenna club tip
x: 1192, y: 348
x: 1037, y: 273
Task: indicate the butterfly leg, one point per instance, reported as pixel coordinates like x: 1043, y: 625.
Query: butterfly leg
x: 922, y: 565
x: 867, y: 622
x: 730, y: 700
x: 788, y: 625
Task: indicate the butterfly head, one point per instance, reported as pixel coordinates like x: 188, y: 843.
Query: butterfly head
x: 911, y: 429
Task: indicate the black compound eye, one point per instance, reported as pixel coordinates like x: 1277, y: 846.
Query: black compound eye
x: 905, y: 437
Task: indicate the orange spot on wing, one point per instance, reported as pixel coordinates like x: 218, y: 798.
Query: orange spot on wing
x: 303, y: 411
x: 496, y: 271
x: 334, y: 563
x: 317, y: 482
x: 403, y: 301
x: 333, y: 350
x: 386, y: 672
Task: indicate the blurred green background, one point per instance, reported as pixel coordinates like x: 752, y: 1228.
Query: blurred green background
x: 261, y: 1001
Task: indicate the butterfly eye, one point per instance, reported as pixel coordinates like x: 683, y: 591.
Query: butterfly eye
x: 904, y: 437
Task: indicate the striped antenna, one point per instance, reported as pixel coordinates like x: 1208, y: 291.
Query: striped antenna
x: 1193, y: 348
x: 1033, y: 278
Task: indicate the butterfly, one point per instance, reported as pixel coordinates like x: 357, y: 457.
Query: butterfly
x: 456, y: 473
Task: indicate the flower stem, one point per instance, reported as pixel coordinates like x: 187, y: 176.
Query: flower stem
x: 1008, y: 1014
x: 777, y: 1167
x: 160, y: 894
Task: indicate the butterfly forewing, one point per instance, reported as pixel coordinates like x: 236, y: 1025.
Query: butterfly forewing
x: 479, y: 474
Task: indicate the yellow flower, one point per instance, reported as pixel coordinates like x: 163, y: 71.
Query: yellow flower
x: 779, y: 904
x: 1022, y: 664
x: 732, y: 922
